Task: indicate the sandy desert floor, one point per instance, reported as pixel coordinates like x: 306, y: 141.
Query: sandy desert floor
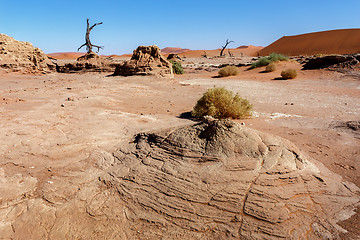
x: 54, y: 126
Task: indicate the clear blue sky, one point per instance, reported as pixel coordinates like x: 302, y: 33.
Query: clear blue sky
x: 59, y: 25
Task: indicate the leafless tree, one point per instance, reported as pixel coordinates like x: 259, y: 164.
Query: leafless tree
x: 88, y: 43
x: 230, y: 54
x: 223, y: 47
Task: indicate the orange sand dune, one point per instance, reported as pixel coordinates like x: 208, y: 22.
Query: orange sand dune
x: 174, y: 50
x: 246, y: 51
x: 343, y: 41
x: 66, y: 55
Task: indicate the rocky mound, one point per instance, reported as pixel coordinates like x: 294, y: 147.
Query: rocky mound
x: 333, y: 61
x: 22, y: 56
x: 146, y: 60
x: 343, y: 41
x: 222, y: 180
x: 90, y: 62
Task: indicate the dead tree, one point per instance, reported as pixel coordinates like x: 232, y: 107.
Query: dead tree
x: 88, y: 43
x: 204, y: 55
x: 223, y: 47
x: 230, y: 54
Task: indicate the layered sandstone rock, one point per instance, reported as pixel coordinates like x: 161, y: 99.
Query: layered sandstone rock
x: 221, y: 180
x: 22, y: 56
x: 146, y: 60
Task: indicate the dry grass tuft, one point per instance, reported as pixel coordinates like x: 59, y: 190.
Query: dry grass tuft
x: 270, y: 68
x: 289, y: 74
x: 229, y: 71
x: 221, y: 103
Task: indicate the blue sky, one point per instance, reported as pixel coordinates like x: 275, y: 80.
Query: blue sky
x: 59, y: 25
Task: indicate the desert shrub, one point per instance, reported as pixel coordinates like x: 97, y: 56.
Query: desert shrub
x: 289, y: 74
x: 228, y: 71
x: 261, y: 62
x: 264, y: 61
x: 177, y: 67
x: 221, y: 103
x: 277, y: 57
x: 270, y: 68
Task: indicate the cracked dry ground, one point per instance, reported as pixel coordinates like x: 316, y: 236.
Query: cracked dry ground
x: 68, y: 170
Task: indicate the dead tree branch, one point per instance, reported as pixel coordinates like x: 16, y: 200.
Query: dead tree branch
x: 88, y: 43
x: 223, y: 47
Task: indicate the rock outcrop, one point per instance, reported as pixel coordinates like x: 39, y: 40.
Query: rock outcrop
x: 146, y: 60
x: 90, y: 62
x: 211, y: 180
x: 332, y: 61
x: 22, y: 56
x: 222, y: 180
x: 174, y: 57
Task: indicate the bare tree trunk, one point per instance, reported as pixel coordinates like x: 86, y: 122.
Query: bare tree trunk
x: 223, y: 47
x: 204, y: 55
x: 88, y: 43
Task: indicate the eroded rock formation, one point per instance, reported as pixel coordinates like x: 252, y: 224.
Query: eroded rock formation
x: 146, y: 60
x: 90, y: 62
x: 22, y: 56
x: 333, y: 62
x: 221, y: 180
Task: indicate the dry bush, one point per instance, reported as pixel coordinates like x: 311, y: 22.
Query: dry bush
x: 222, y: 103
x: 289, y: 74
x: 270, y: 68
x: 229, y: 71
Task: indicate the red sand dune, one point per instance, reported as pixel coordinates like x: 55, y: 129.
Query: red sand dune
x: 343, y: 41
x: 66, y: 55
x: 176, y: 50
x: 246, y: 51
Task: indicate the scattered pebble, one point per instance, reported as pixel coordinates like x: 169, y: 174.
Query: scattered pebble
x: 62, y: 105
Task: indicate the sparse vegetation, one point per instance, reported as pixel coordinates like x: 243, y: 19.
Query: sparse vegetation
x: 264, y: 61
x: 271, y: 67
x: 289, y: 74
x: 229, y: 71
x: 177, y: 67
x: 221, y: 103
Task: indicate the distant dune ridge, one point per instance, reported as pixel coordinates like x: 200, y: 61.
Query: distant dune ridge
x: 174, y: 50
x: 343, y: 41
x: 249, y: 51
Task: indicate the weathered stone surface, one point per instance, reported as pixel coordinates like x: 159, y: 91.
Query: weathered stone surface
x: 146, y: 60
x: 90, y: 62
x: 340, y: 61
x: 22, y: 56
x: 211, y: 180
x: 221, y: 180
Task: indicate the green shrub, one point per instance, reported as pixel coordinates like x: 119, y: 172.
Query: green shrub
x: 289, y: 74
x: 177, y: 67
x: 264, y: 61
x: 228, y: 71
x: 277, y: 57
x: 270, y: 68
x: 221, y: 103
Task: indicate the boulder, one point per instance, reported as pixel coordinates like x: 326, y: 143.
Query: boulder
x: 221, y: 180
x: 90, y: 62
x: 174, y: 57
x: 146, y: 60
x: 340, y: 61
x: 22, y: 56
